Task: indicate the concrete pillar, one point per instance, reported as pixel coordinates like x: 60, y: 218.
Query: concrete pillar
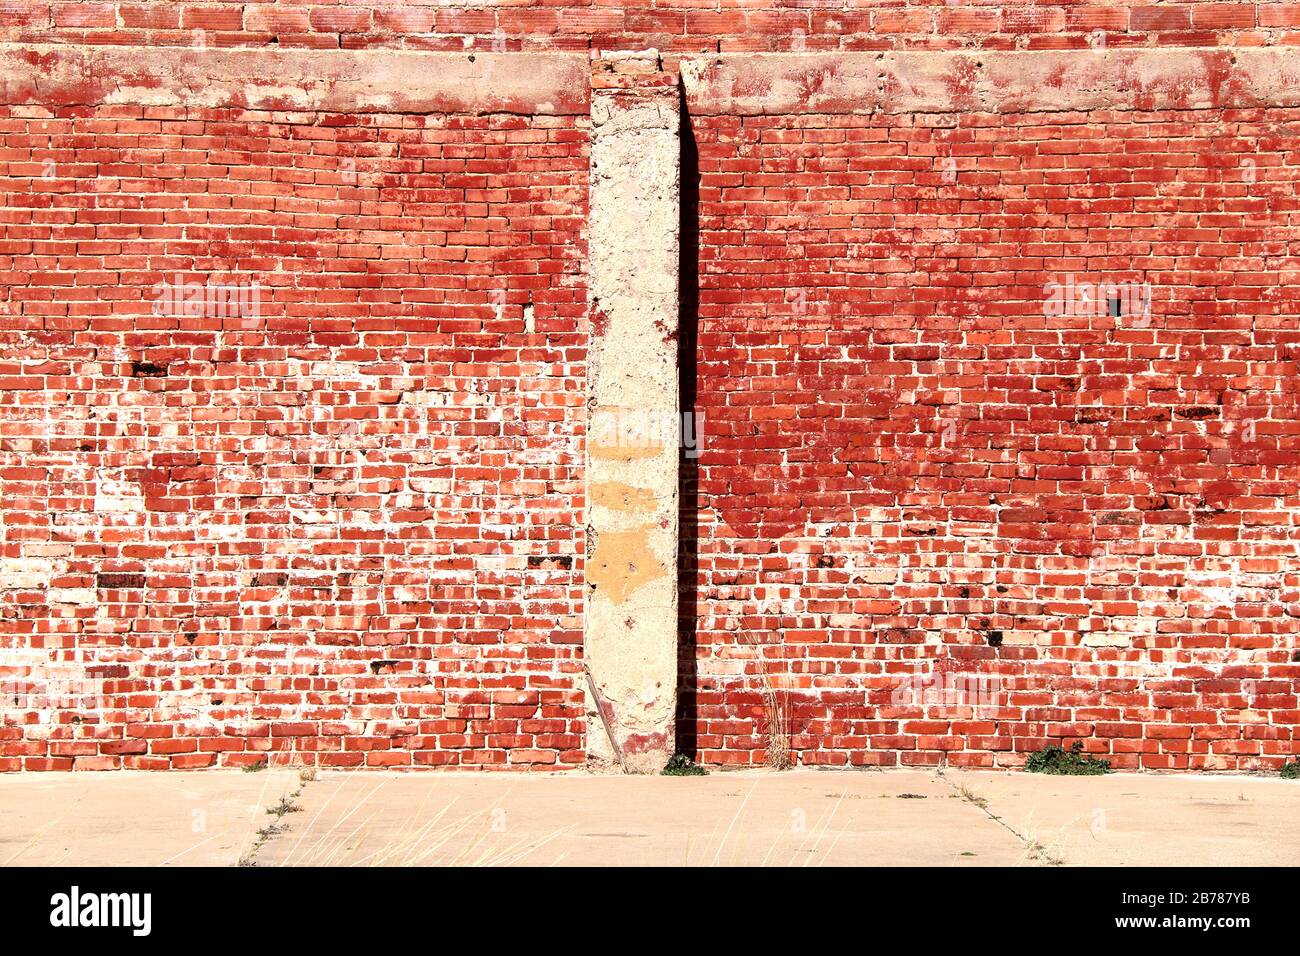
x: 633, y: 417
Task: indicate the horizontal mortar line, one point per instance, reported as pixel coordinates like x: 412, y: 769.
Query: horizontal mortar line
x: 1012, y: 81
x: 291, y: 80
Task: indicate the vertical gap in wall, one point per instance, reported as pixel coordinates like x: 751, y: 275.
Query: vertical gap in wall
x: 688, y: 472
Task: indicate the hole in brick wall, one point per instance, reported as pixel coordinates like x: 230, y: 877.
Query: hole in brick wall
x: 1112, y: 306
x: 148, y: 370
x: 550, y: 561
x: 382, y: 667
x: 994, y: 638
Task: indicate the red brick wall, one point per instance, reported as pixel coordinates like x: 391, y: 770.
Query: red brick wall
x: 668, y: 25
x: 343, y: 519
x: 933, y: 518
x: 910, y: 468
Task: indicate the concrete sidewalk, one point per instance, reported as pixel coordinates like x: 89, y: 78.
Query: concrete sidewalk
x: 128, y: 818
x: 891, y: 818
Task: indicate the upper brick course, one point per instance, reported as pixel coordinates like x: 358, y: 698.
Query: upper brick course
x: 666, y: 25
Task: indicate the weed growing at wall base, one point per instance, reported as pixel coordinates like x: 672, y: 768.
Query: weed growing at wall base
x: 681, y: 765
x: 1073, y: 762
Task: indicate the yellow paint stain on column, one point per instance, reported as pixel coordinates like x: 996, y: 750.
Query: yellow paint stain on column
x: 618, y: 496
x: 623, y: 562
x: 620, y: 434
x: 618, y: 452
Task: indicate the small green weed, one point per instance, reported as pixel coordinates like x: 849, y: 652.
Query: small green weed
x: 1072, y: 762
x: 683, y: 766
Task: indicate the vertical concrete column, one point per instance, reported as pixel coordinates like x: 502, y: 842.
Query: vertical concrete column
x: 633, y: 417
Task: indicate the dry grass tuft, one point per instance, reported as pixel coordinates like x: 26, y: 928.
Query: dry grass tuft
x: 776, y: 708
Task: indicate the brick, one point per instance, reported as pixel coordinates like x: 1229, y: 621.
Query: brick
x: 153, y: 16
x: 83, y: 14
x: 1160, y: 18
x: 118, y: 580
x: 211, y: 18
